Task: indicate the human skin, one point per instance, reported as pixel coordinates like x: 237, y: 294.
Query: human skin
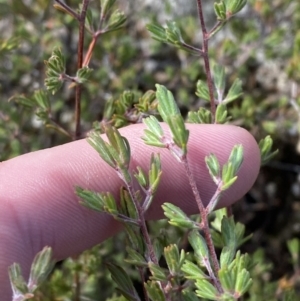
x: 38, y: 206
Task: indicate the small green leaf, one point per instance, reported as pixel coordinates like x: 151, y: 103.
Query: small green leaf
x: 179, y: 132
x: 106, y: 6
x: 199, y: 245
x: 41, y: 267
x: 127, y: 204
x: 116, y: 21
x: 27, y: 102
x: 83, y: 74
x: 234, y: 6
x: 229, y: 183
x: 206, y: 290
x: 219, y: 81
x: 232, y: 166
x: 128, y: 99
x: 220, y: 10
x: 123, y: 281
x: 42, y: 100
x: 234, y: 92
x: 192, y: 271
x: 217, y: 222
x: 265, y: 147
x: 110, y: 204
x: 147, y: 103
x: 154, y: 134
x: 239, y: 233
x: 17, y: 281
x: 203, y: 116
x: 151, y: 139
x: 243, y: 282
x: 9, y: 44
x: 157, y: 32
x: 228, y: 231
x: 177, y: 217
x: 236, y: 157
x: 43, y: 115
x: 213, y: 166
x: 172, y: 258
x: 221, y: 113
x: 227, y: 255
x: 166, y: 102
x: 189, y: 295
x: 170, y: 113
x: 202, y: 90
x: 116, y: 153
x: 141, y: 177
x: 102, y: 202
x: 109, y: 109
x: 173, y: 34
x: 158, y: 273
x: 155, y: 173
x: 102, y: 147
x: 154, y: 291
x: 227, y: 172
x: 158, y: 246
x: 226, y: 278
x: 89, y: 22
x: 135, y: 258
x: 90, y: 199
x: 135, y: 238
x: 55, y: 68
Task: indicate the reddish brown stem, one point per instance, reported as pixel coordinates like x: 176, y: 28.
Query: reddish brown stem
x: 204, y: 52
x: 92, y: 45
x: 89, y: 52
x: 205, y: 225
x: 68, y: 9
x: 78, y: 91
x: 142, y: 224
x: 144, y: 230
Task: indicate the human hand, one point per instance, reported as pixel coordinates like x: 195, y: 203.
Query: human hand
x: 38, y: 206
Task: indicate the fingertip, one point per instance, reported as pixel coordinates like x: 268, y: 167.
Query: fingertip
x: 220, y: 140
x: 203, y: 140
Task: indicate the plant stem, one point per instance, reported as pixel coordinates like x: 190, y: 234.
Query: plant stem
x: 192, y: 48
x: 216, y: 28
x: 142, y: 224
x: 78, y: 91
x: 91, y: 47
x: 68, y: 9
x: 96, y: 35
x: 89, y: 52
x: 215, y: 198
x: 59, y: 128
x: 205, y: 225
x: 204, y: 52
x: 145, y: 233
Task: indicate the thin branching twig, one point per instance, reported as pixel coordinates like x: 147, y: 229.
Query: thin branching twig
x: 78, y: 90
x: 204, y: 225
x: 204, y: 54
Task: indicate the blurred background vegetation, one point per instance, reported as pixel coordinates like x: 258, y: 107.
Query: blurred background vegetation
x: 261, y: 46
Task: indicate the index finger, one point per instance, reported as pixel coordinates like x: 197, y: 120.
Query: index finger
x: 38, y: 205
